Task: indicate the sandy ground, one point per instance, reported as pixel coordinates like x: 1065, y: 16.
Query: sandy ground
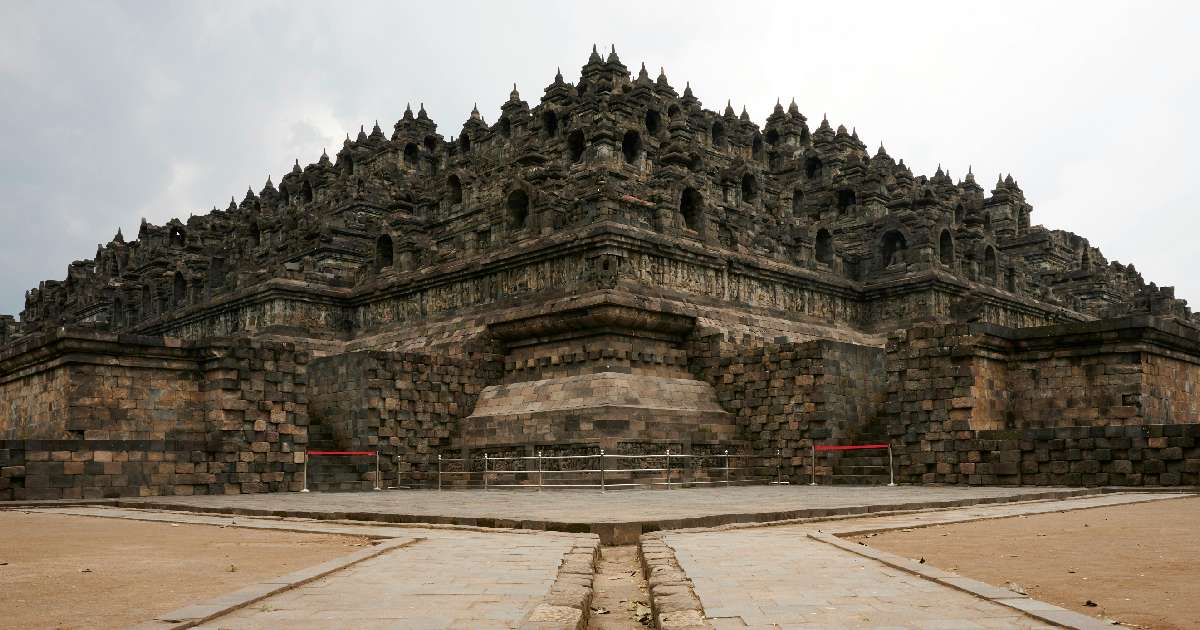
x: 135, y: 570
x: 1137, y: 563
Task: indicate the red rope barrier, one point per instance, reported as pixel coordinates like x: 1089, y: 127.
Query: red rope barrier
x: 849, y: 448
x: 341, y: 452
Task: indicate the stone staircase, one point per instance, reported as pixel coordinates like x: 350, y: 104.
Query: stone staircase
x: 859, y: 468
x: 336, y: 473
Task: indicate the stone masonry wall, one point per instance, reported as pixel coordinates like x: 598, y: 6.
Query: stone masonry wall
x: 35, y: 405
x: 1112, y: 404
x: 256, y: 411
x: 147, y: 417
x: 785, y: 396
x: 150, y: 392
x: 1146, y: 455
x: 405, y: 404
x: 1169, y: 389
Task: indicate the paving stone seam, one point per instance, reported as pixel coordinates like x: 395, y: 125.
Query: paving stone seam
x: 567, y: 605
x: 674, y: 604
x: 1037, y: 609
x: 193, y: 615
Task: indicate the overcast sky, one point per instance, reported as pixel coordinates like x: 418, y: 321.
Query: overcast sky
x: 114, y: 111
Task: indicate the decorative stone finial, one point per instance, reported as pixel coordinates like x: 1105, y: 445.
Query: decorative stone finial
x: 612, y: 56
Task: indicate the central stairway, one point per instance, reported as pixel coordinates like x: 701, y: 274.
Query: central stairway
x: 336, y: 473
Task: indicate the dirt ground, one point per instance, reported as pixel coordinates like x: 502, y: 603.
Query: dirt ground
x: 1136, y: 563
x: 621, y: 600
x: 59, y: 571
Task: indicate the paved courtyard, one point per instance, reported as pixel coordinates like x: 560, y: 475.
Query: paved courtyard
x: 745, y: 503
x: 776, y: 576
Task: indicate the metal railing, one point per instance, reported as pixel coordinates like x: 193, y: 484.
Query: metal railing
x: 606, y: 470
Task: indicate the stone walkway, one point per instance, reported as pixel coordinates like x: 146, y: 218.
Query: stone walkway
x: 446, y: 578
x: 450, y: 580
x: 770, y: 578
x: 593, y: 506
x: 778, y: 577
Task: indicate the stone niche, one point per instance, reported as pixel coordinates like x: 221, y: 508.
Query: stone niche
x: 608, y: 375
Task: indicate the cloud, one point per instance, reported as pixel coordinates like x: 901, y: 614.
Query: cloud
x: 118, y: 110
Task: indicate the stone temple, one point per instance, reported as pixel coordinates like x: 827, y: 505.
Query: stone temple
x: 612, y: 267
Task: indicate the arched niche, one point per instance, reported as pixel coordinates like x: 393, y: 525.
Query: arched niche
x: 824, y: 246
x: 384, y: 252
x: 179, y: 290
x: 454, y: 189
x: 631, y: 146
x: 892, y: 246
x: 749, y: 188
x: 989, y: 264
x: 576, y: 145
x: 946, y: 248
x: 653, y: 121
x: 691, y: 207
x: 517, y: 206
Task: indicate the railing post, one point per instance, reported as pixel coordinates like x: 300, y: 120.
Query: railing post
x: 377, y: 472
x: 539, y: 470
x: 726, y: 467
x: 485, y: 484
x: 779, y: 466
x: 304, y: 476
x: 439, y: 472
x: 668, y: 469
x: 602, y: 488
x: 891, y: 468
x: 813, y: 464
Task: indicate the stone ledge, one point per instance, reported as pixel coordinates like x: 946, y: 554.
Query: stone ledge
x: 1037, y: 609
x: 196, y: 614
x: 673, y: 602
x: 615, y: 532
x: 568, y: 604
